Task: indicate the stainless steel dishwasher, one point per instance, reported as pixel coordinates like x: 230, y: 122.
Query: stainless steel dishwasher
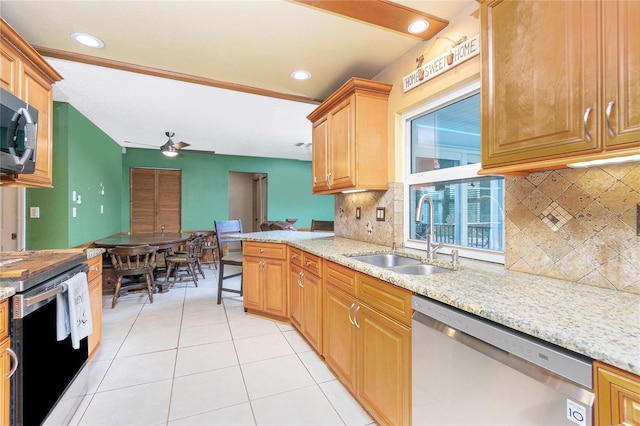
x: 471, y: 371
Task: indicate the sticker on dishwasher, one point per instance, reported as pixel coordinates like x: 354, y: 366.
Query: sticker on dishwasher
x: 576, y: 413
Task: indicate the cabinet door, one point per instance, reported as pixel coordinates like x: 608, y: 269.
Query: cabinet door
x: 155, y: 200
x: 340, y: 336
x: 539, y: 80
x: 5, y: 383
x: 621, y: 56
x: 36, y: 91
x: 95, y: 298
x: 384, y: 351
x: 276, y: 294
x: 617, y: 396
x: 341, y: 142
x: 295, y: 298
x: 312, y: 310
x: 251, y: 286
x: 9, y: 68
x: 320, y: 155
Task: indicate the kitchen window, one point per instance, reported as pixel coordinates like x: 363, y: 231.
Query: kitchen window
x: 443, y: 159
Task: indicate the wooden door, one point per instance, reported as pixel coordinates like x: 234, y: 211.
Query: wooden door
x: 539, y: 80
x: 319, y: 155
x: 384, y: 354
x: 621, y: 62
x: 341, y: 142
x: 155, y: 200
x: 295, y: 291
x: 340, y: 336
x: 312, y: 310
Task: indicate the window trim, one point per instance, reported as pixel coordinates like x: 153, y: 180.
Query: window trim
x: 452, y: 174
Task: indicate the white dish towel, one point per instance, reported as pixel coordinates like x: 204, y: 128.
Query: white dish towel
x: 73, y: 310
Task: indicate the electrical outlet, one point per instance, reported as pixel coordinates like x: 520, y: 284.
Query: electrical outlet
x: 73, y: 212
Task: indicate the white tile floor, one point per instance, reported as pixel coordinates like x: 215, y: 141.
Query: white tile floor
x: 184, y: 360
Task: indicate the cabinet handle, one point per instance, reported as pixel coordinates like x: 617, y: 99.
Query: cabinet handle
x: 300, y: 278
x: 329, y: 180
x: 608, y: 117
x: 355, y: 317
x: 14, y: 357
x: 95, y: 268
x: 587, y: 113
x: 351, y: 309
x: 308, y: 264
x: 294, y: 256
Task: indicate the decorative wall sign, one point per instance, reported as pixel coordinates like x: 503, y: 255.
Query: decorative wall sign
x: 457, y: 55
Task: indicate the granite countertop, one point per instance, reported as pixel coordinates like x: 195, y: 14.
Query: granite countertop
x: 600, y: 323
x: 6, y: 292
x: 92, y: 252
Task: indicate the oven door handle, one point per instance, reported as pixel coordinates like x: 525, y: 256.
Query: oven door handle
x: 45, y: 295
x: 14, y: 357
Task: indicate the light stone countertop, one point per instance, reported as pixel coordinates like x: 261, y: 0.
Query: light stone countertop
x: 599, y: 323
x: 6, y: 292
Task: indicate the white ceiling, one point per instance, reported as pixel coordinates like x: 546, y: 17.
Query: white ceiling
x: 254, y: 43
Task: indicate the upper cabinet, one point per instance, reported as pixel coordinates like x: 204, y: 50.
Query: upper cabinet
x: 350, y: 138
x: 559, y: 83
x: 24, y: 73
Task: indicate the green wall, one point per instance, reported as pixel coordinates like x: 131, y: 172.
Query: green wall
x: 205, y: 183
x: 84, y: 157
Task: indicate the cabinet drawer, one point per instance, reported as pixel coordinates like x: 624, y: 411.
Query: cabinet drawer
x: 4, y: 319
x: 386, y: 298
x: 340, y: 277
x: 295, y: 256
x: 312, y: 263
x: 617, y: 396
x: 271, y: 250
x: 95, y: 268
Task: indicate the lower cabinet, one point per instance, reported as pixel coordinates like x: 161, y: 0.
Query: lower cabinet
x: 617, y: 396
x: 305, y: 282
x: 367, y: 341
x: 5, y: 364
x: 95, y: 297
x: 264, y: 275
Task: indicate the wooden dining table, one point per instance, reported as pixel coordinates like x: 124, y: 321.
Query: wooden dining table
x: 162, y: 240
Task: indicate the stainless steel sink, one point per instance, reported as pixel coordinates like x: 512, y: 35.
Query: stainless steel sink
x: 421, y: 269
x: 387, y: 260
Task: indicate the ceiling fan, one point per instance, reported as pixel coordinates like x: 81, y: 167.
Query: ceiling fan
x: 171, y: 148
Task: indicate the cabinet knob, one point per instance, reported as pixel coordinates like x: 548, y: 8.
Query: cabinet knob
x: 308, y: 264
x: 261, y: 250
x: 95, y: 268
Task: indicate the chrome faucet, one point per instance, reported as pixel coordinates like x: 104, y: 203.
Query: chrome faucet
x: 432, y: 247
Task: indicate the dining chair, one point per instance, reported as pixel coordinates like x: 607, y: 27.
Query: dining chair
x: 131, y: 262
x: 322, y: 225
x: 188, y: 260
x: 224, y: 228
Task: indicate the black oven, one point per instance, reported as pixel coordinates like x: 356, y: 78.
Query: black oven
x: 47, y: 370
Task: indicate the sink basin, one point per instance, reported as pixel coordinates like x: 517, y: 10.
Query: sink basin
x: 387, y: 260
x: 420, y: 269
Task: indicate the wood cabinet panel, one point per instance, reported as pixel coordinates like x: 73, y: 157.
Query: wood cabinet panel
x: 4, y: 319
x: 27, y: 75
x: 305, y: 286
x: 388, y: 299
x: 350, y: 138
x: 340, y: 341
x: 295, y: 295
x: 385, y: 353
x: 265, y: 289
x: 95, y: 298
x: 617, y: 396
x: 340, y: 277
x: 5, y: 383
x: 544, y: 108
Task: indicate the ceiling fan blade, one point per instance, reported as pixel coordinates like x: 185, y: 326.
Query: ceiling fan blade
x: 198, y: 151
x: 138, y: 143
x: 180, y: 145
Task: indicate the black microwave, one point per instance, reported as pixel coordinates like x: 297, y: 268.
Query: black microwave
x: 18, y: 135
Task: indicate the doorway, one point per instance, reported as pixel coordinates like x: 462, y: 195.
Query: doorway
x: 155, y: 200
x: 12, y: 226
x: 248, y: 199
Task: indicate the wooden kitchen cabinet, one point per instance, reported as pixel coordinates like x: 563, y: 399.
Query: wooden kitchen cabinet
x: 350, y: 138
x: 367, y: 341
x: 95, y: 297
x: 617, y: 396
x: 265, y: 289
x: 305, y: 272
x: 558, y: 83
x: 5, y: 364
x: 27, y: 75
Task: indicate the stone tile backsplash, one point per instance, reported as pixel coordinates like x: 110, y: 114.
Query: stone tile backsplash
x: 576, y: 224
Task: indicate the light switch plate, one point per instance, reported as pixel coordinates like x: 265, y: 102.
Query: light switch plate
x: 73, y: 212
x: 34, y: 212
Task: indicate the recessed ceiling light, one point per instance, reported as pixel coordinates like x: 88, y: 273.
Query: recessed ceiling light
x: 301, y: 75
x: 88, y: 40
x: 418, y: 27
